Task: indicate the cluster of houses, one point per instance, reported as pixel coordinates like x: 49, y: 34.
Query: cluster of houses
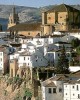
x: 39, y: 45
x: 62, y: 87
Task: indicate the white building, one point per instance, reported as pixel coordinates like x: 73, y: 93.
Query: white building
x: 36, y: 59
x: 52, y: 88
x: 72, y: 90
x: 46, y: 49
x: 74, y: 68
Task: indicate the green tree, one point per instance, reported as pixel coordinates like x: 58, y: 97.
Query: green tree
x: 75, y: 43
x: 63, y: 63
x: 78, y: 50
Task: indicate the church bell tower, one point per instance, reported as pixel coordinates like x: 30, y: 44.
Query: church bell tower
x: 13, y: 18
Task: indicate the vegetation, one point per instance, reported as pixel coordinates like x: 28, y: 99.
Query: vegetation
x: 63, y: 63
x: 75, y: 43
x: 18, y: 96
x: 27, y: 93
x: 10, y: 81
x: 5, y: 92
x: 78, y: 50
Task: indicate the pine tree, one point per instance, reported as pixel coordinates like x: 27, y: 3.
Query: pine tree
x: 63, y: 63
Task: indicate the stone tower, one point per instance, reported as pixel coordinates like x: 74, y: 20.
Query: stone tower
x: 13, y: 18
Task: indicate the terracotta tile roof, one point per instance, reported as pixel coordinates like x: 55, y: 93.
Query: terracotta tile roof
x: 26, y: 27
x: 72, y: 81
x: 60, y: 77
x: 76, y: 73
x: 63, y: 8
x: 50, y: 85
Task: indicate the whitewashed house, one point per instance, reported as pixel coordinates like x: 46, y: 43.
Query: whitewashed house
x: 72, y: 90
x: 52, y: 88
x: 46, y: 48
x: 36, y: 59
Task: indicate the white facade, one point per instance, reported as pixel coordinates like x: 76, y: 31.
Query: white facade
x: 72, y: 91
x: 74, y: 68
x: 32, y: 60
x: 44, y: 48
x: 41, y: 41
x: 52, y: 88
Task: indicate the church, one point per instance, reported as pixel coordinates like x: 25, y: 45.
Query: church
x: 60, y: 18
x: 16, y: 28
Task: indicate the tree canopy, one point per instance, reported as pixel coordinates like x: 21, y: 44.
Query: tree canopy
x: 75, y: 43
x: 63, y: 63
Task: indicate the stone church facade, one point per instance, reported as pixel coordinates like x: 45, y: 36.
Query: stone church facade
x: 60, y: 18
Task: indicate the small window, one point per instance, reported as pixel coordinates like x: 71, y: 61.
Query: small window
x: 54, y: 90
x: 0, y: 59
x: 49, y: 18
x: 28, y: 58
x: 28, y: 33
x: 79, y: 96
x: 60, y: 17
x: 58, y: 54
x: 24, y: 58
x: 77, y: 87
x: 60, y: 90
x: 73, y: 94
x: 73, y: 87
x: 28, y: 63
x: 49, y: 90
x: 66, y: 93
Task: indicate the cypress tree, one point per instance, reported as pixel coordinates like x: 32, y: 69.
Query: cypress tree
x: 63, y: 63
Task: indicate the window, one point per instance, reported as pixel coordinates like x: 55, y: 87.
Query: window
x: 60, y: 90
x: 49, y: 18
x: 49, y: 90
x: 73, y: 94
x: 73, y: 87
x: 54, y: 90
x: 0, y: 59
x: 77, y: 87
x: 28, y: 63
x: 24, y: 58
x: 58, y: 55
x: 28, y: 58
x: 66, y: 93
x: 28, y: 33
x: 79, y: 96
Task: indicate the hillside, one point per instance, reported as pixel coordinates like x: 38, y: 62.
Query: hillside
x: 26, y: 14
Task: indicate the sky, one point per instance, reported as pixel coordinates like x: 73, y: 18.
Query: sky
x: 37, y: 3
